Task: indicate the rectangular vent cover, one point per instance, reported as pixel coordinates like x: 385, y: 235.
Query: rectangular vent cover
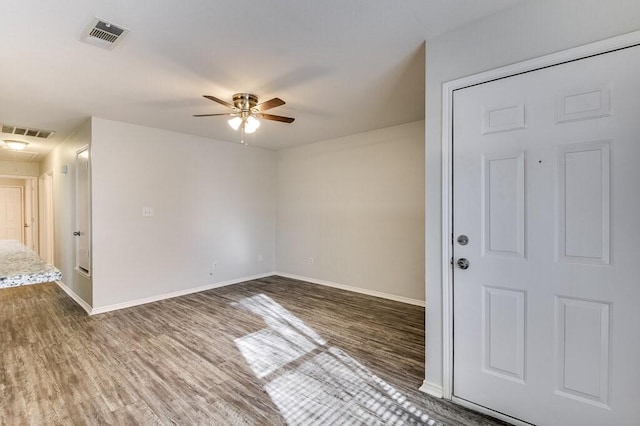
x: 26, y: 131
x: 103, y: 33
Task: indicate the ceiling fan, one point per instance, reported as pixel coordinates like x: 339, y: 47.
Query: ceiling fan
x: 247, y: 111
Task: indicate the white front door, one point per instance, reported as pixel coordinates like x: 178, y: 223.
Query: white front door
x: 11, y: 218
x: 546, y: 187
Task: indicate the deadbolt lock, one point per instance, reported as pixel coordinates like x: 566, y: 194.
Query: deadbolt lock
x: 463, y: 240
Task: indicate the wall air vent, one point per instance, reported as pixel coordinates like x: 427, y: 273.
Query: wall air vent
x: 26, y: 131
x: 103, y: 33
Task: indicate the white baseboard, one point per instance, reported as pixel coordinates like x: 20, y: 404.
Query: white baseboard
x: 84, y: 305
x: 432, y: 389
x: 354, y: 289
x: 156, y: 298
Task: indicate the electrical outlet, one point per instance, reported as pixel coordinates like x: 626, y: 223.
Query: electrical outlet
x: 311, y: 261
x: 214, y: 265
x: 147, y: 212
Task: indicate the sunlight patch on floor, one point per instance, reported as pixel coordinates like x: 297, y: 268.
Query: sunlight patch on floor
x: 277, y: 317
x: 314, y: 384
x: 267, y: 350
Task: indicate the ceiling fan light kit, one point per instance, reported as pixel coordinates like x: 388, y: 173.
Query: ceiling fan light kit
x: 249, y: 124
x: 247, y: 112
x: 235, y: 123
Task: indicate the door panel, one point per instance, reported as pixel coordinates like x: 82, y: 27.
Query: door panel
x: 503, y: 332
x: 584, y: 343
x: 503, y: 192
x: 545, y: 186
x: 584, y: 203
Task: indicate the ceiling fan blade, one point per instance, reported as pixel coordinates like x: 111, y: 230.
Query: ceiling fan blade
x: 277, y: 118
x: 212, y: 115
x: 220, y: 101
x: 271, y: 103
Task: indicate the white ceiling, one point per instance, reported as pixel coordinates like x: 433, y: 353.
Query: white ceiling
x: 343, y: 67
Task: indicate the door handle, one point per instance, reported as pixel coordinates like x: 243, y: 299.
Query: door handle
x: 463, y: 263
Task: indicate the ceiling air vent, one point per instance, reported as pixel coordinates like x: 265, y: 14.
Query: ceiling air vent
x: 26, y: 131
x: 103, y: 33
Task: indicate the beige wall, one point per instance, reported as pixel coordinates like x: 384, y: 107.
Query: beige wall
x: 19, y: 168
x: 363, y: 197
x: 356, y: 206
x: 64, y: 208
x: 532, y: 29
x: 213, y: 201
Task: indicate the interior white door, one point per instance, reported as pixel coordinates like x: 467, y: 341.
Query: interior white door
x: 11, y: 217
x: 547, y: 190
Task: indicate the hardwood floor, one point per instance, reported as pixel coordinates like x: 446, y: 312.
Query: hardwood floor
x: 270, y: 351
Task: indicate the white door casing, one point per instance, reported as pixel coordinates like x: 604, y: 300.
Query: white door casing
x: 46, y: 225
x: 31, y: 226
x: 11, y: 213
x: 83, y: 212
x: 545, y: 185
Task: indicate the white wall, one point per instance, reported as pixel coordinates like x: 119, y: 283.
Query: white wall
x: 64, y: 209
x: 532, y: 29
x: 213, y: 201
x: 356, y: 206
x: 19, y: 168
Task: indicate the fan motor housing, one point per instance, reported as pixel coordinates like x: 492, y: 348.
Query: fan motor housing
x: 245, y: 101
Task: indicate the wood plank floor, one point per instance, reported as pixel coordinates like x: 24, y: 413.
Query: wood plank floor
x: 265, y: 352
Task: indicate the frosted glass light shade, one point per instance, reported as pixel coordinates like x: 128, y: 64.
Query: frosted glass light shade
x: 251, y: 125
x: 235, y: 123
x: 16, y: 145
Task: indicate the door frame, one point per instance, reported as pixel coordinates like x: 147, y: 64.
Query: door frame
x: 31, y: 208
x: 78, y: 207
x: 448, y: 88
x: 46, y: 229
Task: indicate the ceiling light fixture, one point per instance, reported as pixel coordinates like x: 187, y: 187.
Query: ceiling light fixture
x: 244, y: 119
x: 247, y: 111
x: 16, y: 145
x: 247, y: 124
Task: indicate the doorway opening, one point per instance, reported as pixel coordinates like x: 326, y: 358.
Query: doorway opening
x: 19, y: 210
